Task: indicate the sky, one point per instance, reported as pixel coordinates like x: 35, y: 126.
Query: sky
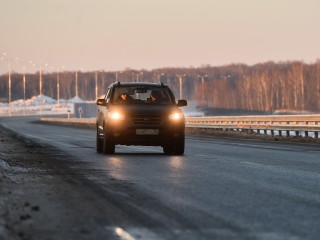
x: 114, y: 35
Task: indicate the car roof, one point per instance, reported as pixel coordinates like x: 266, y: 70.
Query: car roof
x: 147, y: 84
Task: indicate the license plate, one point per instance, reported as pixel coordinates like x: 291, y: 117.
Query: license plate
x: 147, y: 131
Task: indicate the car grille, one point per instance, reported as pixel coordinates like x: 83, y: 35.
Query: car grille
x: 143, y: 119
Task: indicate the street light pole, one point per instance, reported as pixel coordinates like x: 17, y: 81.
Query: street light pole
x: 142, y: 78
x: 24, y: 88
x: 40, y: 88
x: 202, y: 89
x: 180, y: 86
x: 23, y: 82
x: 96, y: 83
x: 118, y: 76
x: 9, y: 87
x: 180, y: 77
x: 318, y: 83
x: 9, y: 81
x: 202, y: 77
x: 58, y: 89
x: 137, y: 76
x: 159, y: 76
x: 76, y: 84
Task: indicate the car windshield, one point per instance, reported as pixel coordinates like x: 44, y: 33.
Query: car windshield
x: 141, y: 95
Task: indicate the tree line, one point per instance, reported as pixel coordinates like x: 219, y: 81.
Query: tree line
x: 267, y: 87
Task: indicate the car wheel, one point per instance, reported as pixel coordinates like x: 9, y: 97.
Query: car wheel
x: 108, y: 146
x: 167, y: 150
x: 179, y: 147
x: 99, y: 143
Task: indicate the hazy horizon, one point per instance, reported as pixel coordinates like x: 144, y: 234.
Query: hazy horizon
x: 113, y: 35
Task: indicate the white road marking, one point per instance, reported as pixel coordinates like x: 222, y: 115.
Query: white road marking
x: 140, y: 233
x: 123, y: 234
x: 255, y: 164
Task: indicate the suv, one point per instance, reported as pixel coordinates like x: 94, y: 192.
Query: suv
x: 140, y: 114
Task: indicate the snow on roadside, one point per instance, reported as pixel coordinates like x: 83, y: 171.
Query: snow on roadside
x: 40, y: 104
x: 191, y: 110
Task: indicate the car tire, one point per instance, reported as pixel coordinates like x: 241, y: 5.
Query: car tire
x: 167, y: 150
x: 108, y: 146
x: 99, y: 143
x: 179, y: 146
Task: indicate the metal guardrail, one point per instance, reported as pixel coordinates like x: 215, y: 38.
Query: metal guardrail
x: 267, y: 124
x: 261, y: 124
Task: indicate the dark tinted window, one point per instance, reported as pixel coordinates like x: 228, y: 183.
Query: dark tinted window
x: 141, y: 95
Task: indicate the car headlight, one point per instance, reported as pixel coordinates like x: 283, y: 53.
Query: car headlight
x: 116, y: 116
x: 176, y: 116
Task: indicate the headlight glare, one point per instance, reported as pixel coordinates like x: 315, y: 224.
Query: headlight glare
x: 116, y: 116
x: 176, y: 116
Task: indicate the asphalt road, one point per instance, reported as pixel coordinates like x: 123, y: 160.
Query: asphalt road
x: 220, y: 189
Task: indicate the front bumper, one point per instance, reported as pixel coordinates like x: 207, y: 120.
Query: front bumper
x: 123, y: 134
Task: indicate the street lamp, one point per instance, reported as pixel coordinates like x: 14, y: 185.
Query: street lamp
x: 58, y: 88
x: 40, y: 87
x: 34, y: 66
x: 202, y: 77
x: 116, y: 76
x: 159, y: 76
x: 41, y: 84
x: 24, y: 88
x: 77, y: 85
x: 181, y: 77
x: 96, y: 84
x: 9, y: 67
x: 9, y: 81
x: 24, y: 83
x: 139, y: 74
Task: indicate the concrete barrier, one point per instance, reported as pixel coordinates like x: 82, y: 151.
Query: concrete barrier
x: 75, y: 122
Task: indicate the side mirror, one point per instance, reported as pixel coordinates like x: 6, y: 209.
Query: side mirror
x: 102, y: 102
x: 182, y: 103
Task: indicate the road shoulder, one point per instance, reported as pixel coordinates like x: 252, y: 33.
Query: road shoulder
x: 39, y: 201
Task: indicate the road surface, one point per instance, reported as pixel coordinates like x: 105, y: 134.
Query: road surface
x: 220, y: 189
